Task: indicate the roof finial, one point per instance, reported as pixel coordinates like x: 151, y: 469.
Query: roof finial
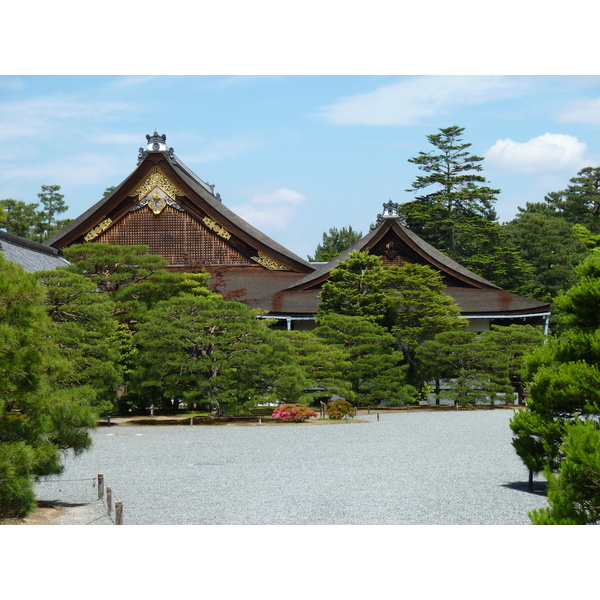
x: 390, y: 211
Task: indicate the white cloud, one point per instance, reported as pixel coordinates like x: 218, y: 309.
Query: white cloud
x: 45, y: 117
x: 584, y: 110
x: 271, y: 210
x: 545, y: 153
x: 412, y: 101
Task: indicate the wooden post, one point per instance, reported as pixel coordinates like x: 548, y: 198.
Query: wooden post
x: 100, y: 486
x: 378, y: 417
x: 118, y: 513
x: 108, y: 500
x: 191, y: 420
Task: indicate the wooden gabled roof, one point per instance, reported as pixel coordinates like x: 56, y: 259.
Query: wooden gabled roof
x: 397, y: 244
x: 164, y: 205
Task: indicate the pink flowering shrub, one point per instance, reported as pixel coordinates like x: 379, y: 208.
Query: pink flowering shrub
x: 293, y: 412
x: 338, y: 409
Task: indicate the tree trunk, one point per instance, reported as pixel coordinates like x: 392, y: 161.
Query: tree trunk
x: 530, y: 485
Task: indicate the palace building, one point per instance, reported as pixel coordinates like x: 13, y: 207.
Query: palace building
x: 165, y: 206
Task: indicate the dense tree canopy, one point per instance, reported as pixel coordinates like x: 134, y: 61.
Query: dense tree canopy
x: 409, y: 301
x: 550, y: 245
x: 334, y: 243
x: 38, y: 419
x: 207, y: 351
x: 378, y: 372
x: 565, y: 373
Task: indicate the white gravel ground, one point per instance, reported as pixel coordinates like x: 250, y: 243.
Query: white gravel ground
x: 429, y: 468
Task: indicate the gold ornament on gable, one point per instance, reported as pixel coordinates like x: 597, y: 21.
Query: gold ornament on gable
x: 269, y: 263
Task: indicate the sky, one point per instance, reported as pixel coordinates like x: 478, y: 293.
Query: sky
x: 295, y: 155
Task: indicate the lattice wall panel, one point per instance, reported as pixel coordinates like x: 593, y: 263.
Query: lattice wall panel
x: 397, y: 261
x: 176, y: 236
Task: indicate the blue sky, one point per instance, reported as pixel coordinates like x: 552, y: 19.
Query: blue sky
x: 295, y: 155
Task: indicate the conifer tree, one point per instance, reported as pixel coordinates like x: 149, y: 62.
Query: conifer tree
x: 204, y: 350
x: 37, y: 419
x: 565, y: 375
x: 334, y: 243
x: 377, y: 372
x: 53, y: 205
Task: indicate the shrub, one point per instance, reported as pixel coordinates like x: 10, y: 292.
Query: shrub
x: 338, y: 409
x: 293, y: 412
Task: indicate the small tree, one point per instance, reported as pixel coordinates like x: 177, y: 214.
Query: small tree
x: 53, y: 205
x: 458, y: 203
x: 325, y: 366
x: 19, y: 218
x: 565, y: 375
x: 338, y: 408
x: 206, y: 350
x: 334, y: 243
x: 377, y: 372
x: 574, y: 492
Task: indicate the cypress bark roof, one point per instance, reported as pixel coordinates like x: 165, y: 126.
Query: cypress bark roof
x: 164, y: 205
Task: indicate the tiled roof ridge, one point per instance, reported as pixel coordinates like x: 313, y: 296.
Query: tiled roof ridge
x: 25, y: 243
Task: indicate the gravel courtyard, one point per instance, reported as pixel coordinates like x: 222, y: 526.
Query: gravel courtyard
x: 408, y: 468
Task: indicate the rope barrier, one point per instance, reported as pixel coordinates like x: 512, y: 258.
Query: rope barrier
x: 118, y: 505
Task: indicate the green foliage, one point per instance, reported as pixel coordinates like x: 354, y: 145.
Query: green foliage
x: 334, y: 243
x: 53, y: 205
x: 325, y: 366
x: 565, y: 376
x: 377, y: 371
x: 409, y: 301
x: 550, y: 246
x: 38, y: 418
x: 206, y: 350
x: 477, y: 371
x: 136, y: 279
x: 19, y: 218
x: 459, y: 207
x: 82, y: 333
x: 297, y: 413
x: 574, y: 491
x: 337, y: 408
x: 17, y: 497
x: 579, y: 306
x: 580, y: 202
x: 359, y: 287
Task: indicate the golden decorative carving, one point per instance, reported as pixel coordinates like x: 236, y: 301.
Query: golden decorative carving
x: 218, y: 229
x: 157, y: 178
x: 96, y: 231
x: 156, y: 203
x: 269, y: 263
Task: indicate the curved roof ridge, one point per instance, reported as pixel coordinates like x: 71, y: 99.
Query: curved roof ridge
x: 444, y: 260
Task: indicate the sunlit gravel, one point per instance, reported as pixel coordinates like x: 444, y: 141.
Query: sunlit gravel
x: 430, y: 468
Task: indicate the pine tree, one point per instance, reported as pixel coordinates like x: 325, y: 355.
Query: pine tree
x: 53, y: 205
x: 204, y: 350
x: 459, y: 204
x: 377, y: 372
x: 574, y: 491
x: 334, y: 243
x: 37, y: 420
x: 565, y: 375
